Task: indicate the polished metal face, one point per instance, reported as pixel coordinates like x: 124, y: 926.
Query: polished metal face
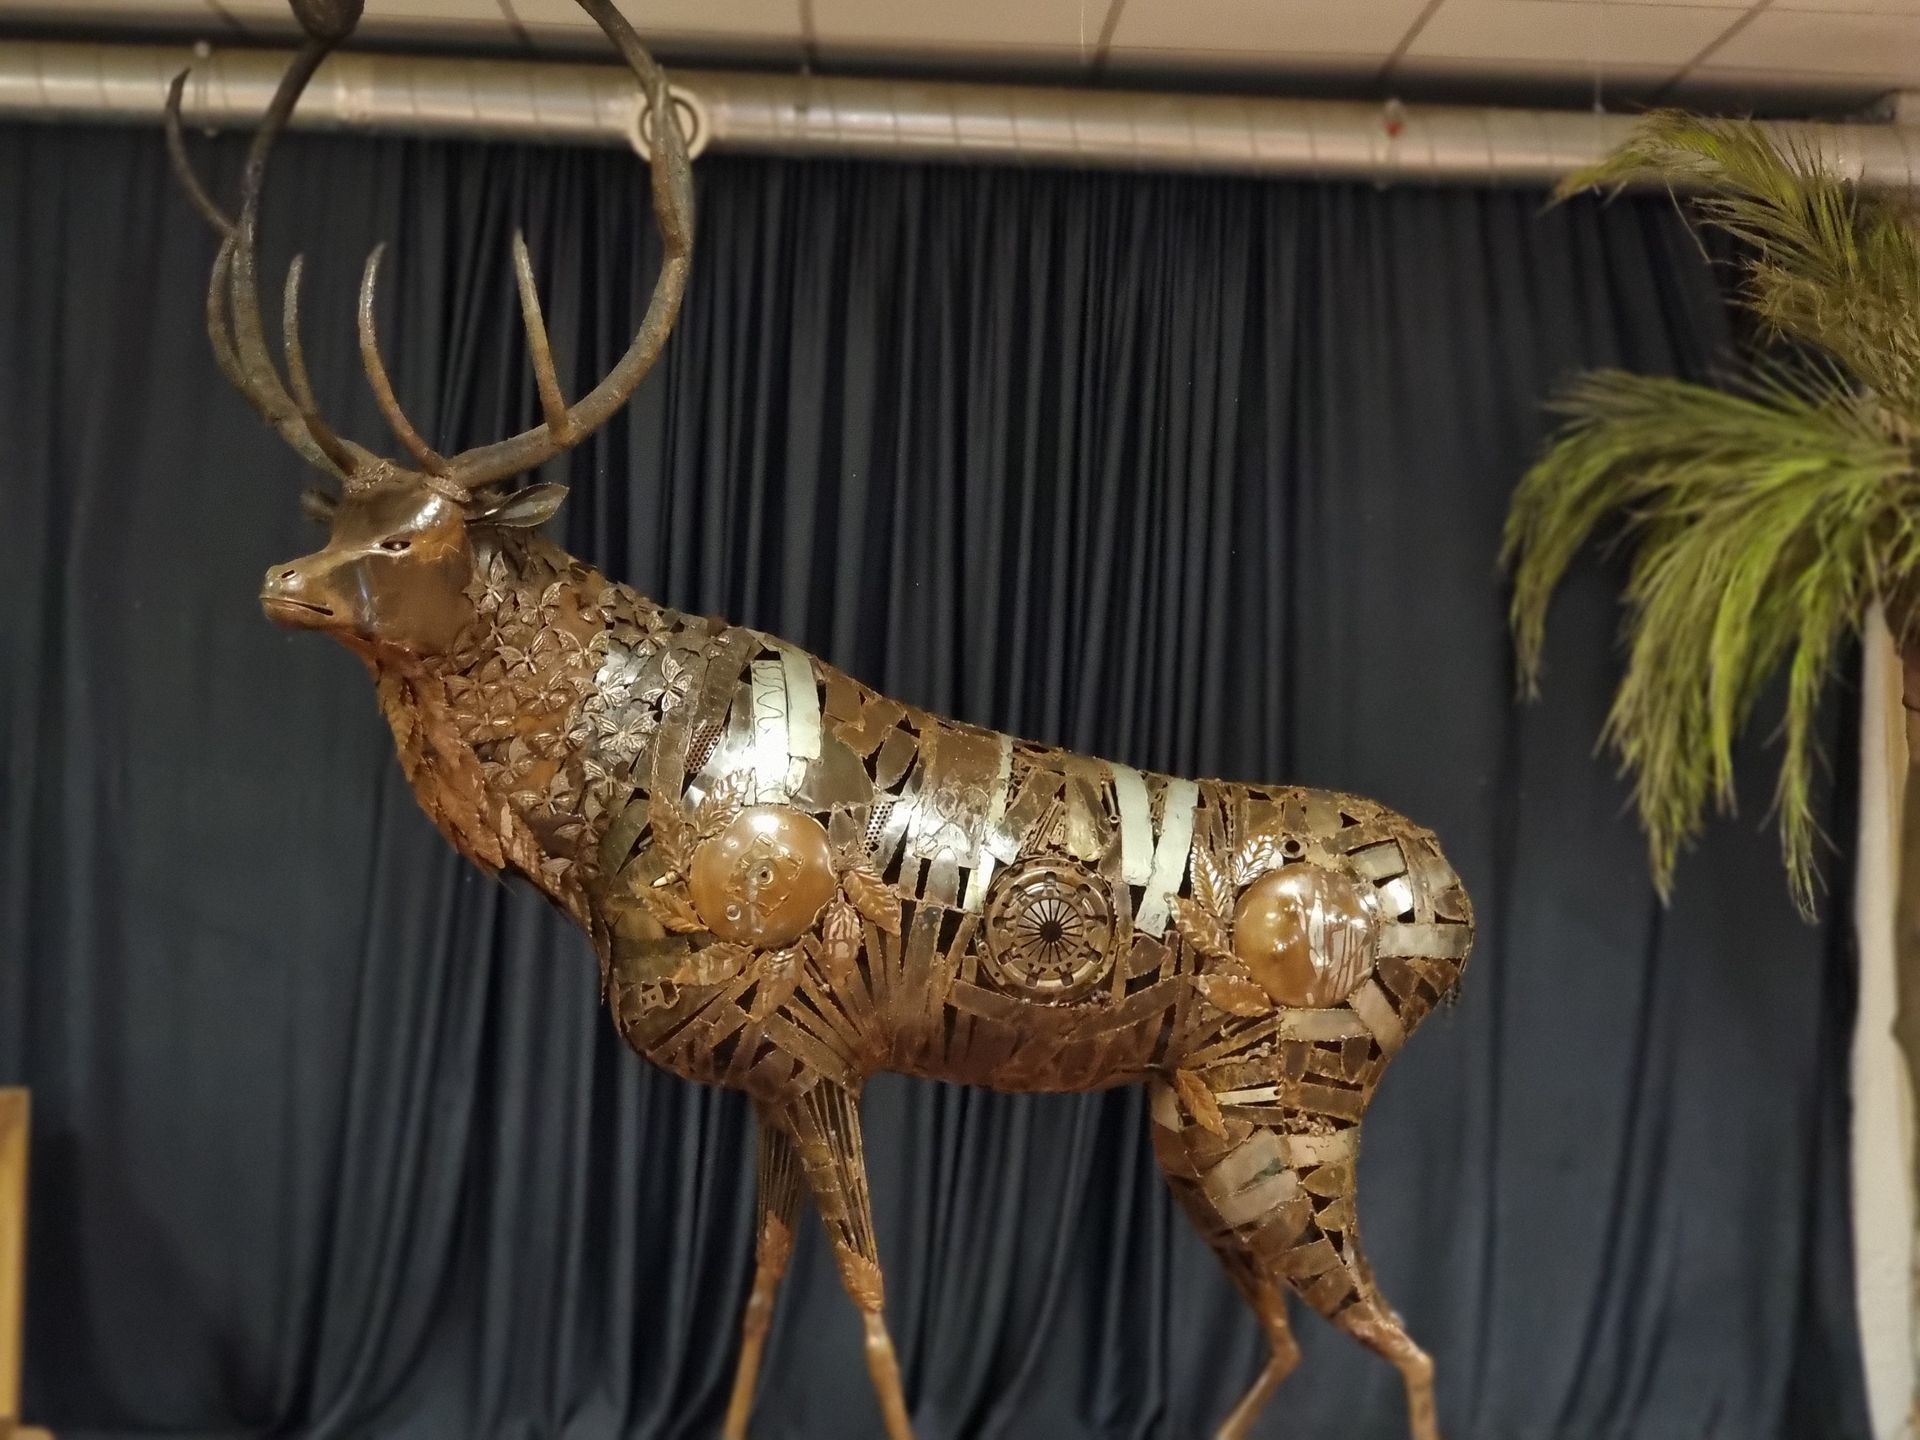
x: 793, y: 882
x: 393, y: 574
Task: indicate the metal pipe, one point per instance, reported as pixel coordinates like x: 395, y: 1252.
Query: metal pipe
x: 881, y: 119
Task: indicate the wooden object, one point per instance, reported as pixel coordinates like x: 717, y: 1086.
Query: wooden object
x: 14, y: 1116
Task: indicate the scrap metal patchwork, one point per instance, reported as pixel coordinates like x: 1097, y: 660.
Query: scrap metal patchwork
x: 793, y: 882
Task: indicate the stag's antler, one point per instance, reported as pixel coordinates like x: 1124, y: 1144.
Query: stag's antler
x: 239, y: 338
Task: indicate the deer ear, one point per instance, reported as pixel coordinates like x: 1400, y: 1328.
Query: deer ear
x: 318, y: 506
x: 523, y: 509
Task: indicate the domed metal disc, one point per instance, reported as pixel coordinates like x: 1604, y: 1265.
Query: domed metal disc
x: 763, y: 880
x: 1307, y: 934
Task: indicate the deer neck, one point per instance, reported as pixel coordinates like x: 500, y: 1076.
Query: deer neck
x: 497, y: 737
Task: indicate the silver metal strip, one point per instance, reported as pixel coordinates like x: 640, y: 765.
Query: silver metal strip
x: 769, y: 731
x: 1305, y: 1151
x: 1432, y: 942
x: 994, y: 839
x: 1002, y: 787
x: 803, y: 703
x: 1169, y: 858
x: 1136, y: 824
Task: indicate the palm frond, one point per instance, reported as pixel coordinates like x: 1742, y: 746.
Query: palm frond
x: 1764, y: 520
x: 1828, y: 264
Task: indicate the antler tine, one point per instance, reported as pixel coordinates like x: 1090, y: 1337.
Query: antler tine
x: 234, y: 326
x: 183, y: 167
x: 286, y: 421
x: 341, y: 452
x: 552, y: 403
x: 249, y: 333
x: 673, y: 212
x: 218, y: 333
x: 430, y: 459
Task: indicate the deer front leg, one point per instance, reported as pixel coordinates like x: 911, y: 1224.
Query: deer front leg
x: 780, y: 1184
x: 825, y: 1127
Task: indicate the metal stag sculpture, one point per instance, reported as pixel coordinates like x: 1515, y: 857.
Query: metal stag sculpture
x: 793, y: 882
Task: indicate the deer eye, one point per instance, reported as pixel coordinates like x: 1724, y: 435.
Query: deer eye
x: 396, y: 545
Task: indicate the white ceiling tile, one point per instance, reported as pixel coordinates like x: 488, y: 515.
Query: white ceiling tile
x: 244, y: 8
x: 1253, y: 66
x: 256, y: 16
x: 85, y: 9
x: 1860, y: 7
x: 649, y: 17
x: 1561, y: 33
x: 1724, y: 87
x: 468, y: 20
x: 1788, y: 48
x: 1066, y: 24
x: 1672, y: 4
x: 1807, y: 43
x: 1274, y: 30
x: 1615, y: 83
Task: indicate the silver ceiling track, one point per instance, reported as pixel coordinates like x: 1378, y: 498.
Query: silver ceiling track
x: 877, y: 119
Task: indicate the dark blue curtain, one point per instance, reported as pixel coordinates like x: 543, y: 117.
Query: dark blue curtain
x: 1203, y: 474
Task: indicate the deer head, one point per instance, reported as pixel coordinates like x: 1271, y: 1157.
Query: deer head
x: 394, y: 574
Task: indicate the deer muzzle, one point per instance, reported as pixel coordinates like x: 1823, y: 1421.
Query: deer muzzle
x: 294, y: 596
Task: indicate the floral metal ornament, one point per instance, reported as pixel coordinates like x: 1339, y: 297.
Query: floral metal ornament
x: 793, y: 882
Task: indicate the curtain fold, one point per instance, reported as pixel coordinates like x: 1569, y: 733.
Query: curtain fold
x: 1205, y: 475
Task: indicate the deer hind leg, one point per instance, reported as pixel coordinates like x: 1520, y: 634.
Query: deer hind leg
x: 1221, y: 1182
x: 1277, y: 1203
x: 825, y: 1128
x: 1328, y: 1269
x: 780, y: 1184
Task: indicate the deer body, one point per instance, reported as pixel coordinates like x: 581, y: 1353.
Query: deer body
x: 590, y: 740
x: 793, y: 882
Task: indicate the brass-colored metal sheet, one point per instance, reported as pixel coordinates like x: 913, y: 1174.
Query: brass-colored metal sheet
x: 979, y: 881
x: 898, y: 751
x: 1257, y: 1155
x: 1025, y: 815
x: 1438, y: 942
x: 1087, y: 823
x: 1377, y: 1013
x: 1305, y: 1151
x: 1259, y: 1199
x: 1336, y: 1024
x: 835, y: 780
x: 1379, y: 862
x: 962, y: 771
x: 1396, y: 896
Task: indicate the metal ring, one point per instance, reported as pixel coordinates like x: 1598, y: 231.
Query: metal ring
x: 688, y: 110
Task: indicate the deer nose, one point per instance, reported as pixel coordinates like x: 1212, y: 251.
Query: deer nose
x: 281, y: 579
x: 288, y: 595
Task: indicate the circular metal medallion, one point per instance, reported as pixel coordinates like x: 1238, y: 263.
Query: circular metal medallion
x: 1049, y: 931
x: 764, y: 879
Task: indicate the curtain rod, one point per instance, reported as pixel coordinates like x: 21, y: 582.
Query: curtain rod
x: 821, y: 115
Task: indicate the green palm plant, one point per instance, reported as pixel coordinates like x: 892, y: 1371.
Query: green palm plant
x: 1764, y: 518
